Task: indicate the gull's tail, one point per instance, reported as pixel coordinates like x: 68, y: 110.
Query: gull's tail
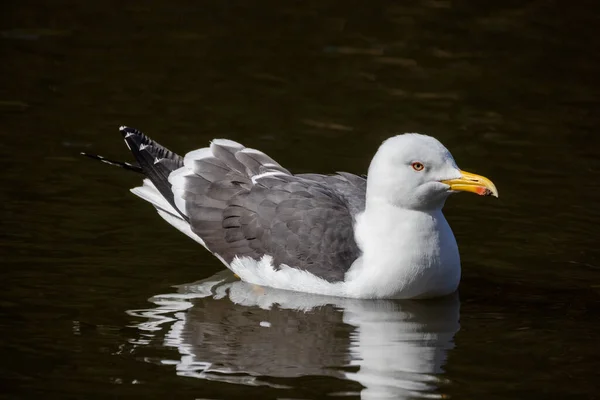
x: 153, y: 160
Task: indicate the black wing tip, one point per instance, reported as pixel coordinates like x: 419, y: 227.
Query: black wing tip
x: 135, y: 139
x: 93, y: 156
x: 127, y: 131
x: 124, y: 165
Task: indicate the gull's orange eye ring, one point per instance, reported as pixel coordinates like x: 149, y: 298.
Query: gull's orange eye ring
x: 417, y: 166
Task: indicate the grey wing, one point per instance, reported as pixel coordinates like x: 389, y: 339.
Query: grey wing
x: 241, y: 202
x: 351, y: 188
x: 299, y: 222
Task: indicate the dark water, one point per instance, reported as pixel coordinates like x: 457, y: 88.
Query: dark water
x: 96, y: 300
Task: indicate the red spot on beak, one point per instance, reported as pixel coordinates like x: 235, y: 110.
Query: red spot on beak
x: 482, y: 191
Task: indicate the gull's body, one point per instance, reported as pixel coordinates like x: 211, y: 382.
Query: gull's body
x: 340, y: 235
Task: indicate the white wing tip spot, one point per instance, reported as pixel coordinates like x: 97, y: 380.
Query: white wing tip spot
x: 143, y: 146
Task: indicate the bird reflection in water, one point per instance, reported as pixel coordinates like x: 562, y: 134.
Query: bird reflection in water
x: 230, y: 331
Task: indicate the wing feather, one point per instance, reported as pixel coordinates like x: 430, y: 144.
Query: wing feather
x: 299, y: 222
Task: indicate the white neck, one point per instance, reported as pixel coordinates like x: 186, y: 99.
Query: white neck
x: 406, y: 254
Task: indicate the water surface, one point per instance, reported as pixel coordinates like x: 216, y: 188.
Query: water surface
x: 102, y: 298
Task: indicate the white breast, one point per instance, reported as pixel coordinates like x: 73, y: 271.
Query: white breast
x: 406, y: 254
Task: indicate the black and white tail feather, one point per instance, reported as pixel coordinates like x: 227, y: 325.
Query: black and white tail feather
x: 240, y: 203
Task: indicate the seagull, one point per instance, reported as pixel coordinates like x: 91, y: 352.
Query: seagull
x: 344, y: 235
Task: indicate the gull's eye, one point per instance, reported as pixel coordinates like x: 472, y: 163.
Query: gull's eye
x: 417, y: 166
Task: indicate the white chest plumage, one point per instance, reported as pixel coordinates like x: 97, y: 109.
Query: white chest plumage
x: 406, y: 254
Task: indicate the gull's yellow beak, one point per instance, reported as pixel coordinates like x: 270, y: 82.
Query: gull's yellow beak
x: 473, y: 183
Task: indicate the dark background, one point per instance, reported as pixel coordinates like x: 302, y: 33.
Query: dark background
x: 511, y: 88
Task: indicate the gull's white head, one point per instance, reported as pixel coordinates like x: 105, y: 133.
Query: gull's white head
x: 417, y: 172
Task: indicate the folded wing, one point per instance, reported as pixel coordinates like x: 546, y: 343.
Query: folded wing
x: 242, y: 203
